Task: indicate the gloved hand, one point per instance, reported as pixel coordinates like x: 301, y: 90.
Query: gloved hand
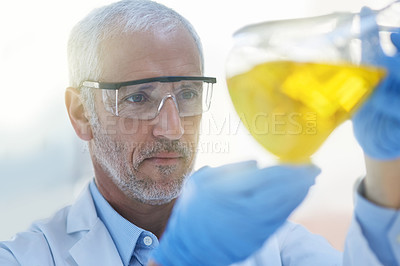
x: 225, y: 214
x: 377, y: 123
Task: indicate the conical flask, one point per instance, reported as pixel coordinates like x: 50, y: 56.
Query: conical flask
x: 292, y: 82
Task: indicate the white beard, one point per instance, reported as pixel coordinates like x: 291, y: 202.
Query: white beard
x: 113, y: 157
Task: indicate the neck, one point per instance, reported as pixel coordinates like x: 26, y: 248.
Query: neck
x: 149, y: 217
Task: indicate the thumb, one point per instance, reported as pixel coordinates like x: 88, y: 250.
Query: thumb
x: 369, y: 35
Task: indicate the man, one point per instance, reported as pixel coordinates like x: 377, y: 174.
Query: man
x: 137, y: 93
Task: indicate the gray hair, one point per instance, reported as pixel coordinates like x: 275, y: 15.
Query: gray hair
x: 126, y: 16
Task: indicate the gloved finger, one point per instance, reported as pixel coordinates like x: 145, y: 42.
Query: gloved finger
x: 284, y: 207
x: 389, y: 141
x: 384, y: 143
x: 369, y: 34
x: 395, y: 38
x: 294, y: 173
x: 386, y: 97
x: 233, y: 167
x: 377, y: 124
x: 206, y: 176
x: 283, y: 178
x: 276, y: 207
x: 276, y: 215
x: 269, y: 197
x: 238, y: 167
x: 278, y: 184
x: 254, y: 181
x: 287, y: 186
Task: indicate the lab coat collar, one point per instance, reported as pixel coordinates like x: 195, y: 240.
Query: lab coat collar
x: 82, y: 215
x: 96, y: 247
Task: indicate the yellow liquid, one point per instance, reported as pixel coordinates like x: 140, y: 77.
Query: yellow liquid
x: 290, y: 108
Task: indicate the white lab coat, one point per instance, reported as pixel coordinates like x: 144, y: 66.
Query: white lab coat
x: 76, y: 236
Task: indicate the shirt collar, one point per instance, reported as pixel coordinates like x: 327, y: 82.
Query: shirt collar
x: 124, y: 233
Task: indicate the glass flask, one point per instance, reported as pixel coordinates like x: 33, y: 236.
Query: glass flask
x: 292, y: 82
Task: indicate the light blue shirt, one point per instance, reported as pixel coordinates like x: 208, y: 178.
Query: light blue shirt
x: 375, y: 222
x: 134, y: 244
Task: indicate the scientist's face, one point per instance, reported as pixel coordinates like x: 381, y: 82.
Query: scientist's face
x: 148, y: 160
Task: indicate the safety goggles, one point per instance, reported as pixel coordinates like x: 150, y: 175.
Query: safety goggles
x: 143, y: 99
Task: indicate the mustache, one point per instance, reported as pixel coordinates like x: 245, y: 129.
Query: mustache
x: 148, y: 150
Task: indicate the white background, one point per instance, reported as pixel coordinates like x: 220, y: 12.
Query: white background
x: 43, y: 165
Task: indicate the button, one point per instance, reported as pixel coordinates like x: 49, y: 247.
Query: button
x: 147, y: 240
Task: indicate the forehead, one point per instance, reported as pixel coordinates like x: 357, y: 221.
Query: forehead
x: 149, y: 54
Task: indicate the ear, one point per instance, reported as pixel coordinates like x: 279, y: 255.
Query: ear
x: 77, y: 115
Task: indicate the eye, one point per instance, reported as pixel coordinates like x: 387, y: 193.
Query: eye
x: 136, y: 98
x: 188, y: 94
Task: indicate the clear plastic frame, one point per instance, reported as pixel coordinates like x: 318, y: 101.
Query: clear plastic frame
x: 143, y: 99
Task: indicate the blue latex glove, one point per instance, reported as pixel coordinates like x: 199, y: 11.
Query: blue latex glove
x: 225, y: 214
x: 377, y: 123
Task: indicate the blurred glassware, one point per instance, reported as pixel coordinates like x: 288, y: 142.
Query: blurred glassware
x: 292, y: 82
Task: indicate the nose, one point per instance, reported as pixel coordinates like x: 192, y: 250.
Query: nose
x: 167, y: 123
